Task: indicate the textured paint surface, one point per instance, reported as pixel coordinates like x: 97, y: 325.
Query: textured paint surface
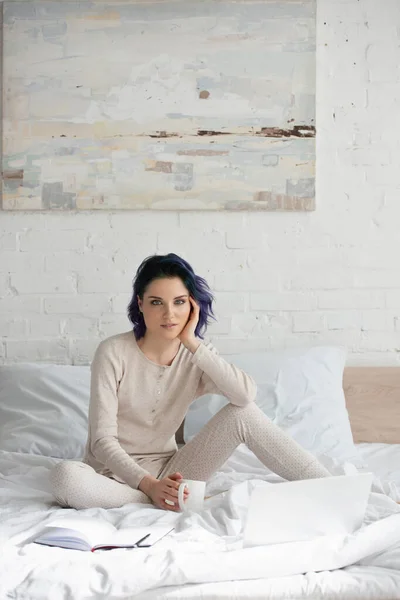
x: 164, y: 105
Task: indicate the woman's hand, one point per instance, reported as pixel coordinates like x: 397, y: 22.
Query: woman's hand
x: 187, y: 335
x: 164, y: 489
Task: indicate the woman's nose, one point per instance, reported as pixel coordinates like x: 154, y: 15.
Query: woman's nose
x: 168, y: 310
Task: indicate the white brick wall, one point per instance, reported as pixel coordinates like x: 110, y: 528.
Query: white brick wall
x: 331, y: 276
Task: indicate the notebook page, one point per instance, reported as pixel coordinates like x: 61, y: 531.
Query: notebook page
x: 93, y: 530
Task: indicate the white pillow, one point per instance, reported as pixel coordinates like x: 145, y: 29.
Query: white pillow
x: 301, y: 391
x: 43, y: 409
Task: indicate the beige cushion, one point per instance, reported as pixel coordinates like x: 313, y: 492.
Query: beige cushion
x: 373, y: 402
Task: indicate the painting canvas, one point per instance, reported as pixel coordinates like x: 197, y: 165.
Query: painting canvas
x: 167, y: 105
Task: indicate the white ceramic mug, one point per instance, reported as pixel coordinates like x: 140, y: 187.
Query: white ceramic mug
x: 195, y: 500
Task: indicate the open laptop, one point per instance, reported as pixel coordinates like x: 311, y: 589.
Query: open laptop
x: 302, y: 510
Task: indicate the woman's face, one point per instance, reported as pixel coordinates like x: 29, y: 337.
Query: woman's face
x: 165, y: 307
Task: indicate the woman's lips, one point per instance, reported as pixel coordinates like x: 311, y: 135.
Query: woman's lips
x: 169, y: 326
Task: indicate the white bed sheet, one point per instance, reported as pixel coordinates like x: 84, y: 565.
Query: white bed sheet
x: 384, y: 460
x: 194, y: 563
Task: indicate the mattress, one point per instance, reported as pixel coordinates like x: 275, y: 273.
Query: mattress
x: 205, y: 551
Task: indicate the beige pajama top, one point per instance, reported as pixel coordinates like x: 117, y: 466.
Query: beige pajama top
x: 136, y: 406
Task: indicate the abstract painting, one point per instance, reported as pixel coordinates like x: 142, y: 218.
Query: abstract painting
x: 165, y: 105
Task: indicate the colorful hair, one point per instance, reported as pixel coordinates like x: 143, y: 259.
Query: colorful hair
x: 170, y: 265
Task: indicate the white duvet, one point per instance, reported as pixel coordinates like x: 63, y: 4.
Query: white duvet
x: 205, y: 549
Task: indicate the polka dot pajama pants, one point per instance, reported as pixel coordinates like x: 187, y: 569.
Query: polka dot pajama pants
x: 77, y: 485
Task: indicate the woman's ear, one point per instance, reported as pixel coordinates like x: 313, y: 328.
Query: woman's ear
x: 139, y: 303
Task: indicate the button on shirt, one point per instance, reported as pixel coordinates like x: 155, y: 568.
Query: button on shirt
x: 158, y: 390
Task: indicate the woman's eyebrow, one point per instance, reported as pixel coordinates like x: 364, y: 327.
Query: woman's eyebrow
x: 176, y: 298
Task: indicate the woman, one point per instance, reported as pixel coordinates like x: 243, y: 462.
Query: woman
x: 142, y: 384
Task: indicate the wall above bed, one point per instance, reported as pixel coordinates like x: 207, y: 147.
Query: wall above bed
x: 280, y: 279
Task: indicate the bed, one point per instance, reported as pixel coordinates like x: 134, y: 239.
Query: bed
x: 204, y: 557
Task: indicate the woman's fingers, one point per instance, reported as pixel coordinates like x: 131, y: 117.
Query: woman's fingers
x: 167, y: 506
x: 172, y: 494
x: 194, y: 304
x: 174, y: 476
x: 167, y: 496
x: 173, y: 491
x: 175, y: 484
x: 170, y: 503
x: 170, y: 480
x: 170, y: 498
x: 174, y: 487
x: 168, y: 493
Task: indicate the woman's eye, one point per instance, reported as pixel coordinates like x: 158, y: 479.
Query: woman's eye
x: 158, y: 302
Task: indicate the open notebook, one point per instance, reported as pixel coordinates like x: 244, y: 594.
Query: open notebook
x: 83, y: 533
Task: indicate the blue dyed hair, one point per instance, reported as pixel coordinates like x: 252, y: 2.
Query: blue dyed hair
x: 170, y: 265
